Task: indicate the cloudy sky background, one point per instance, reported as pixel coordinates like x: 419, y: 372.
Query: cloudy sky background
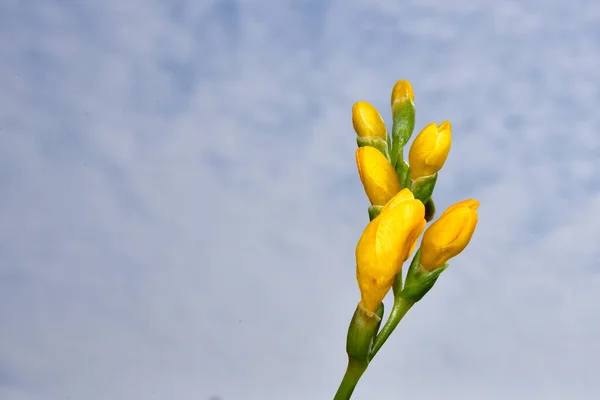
x: 180, y: 205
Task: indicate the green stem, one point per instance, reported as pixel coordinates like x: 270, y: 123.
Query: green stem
x: 399, y: 310
x: 374, y: 211
x: 353, y: 373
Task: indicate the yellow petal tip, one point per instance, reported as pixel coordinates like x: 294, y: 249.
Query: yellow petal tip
x: 402, y: 90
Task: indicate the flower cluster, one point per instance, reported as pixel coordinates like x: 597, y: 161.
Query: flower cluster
x: 400, y: 193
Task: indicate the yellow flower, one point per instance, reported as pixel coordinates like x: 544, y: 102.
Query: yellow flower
x: 402, y: 91
x: 430, y: 149
x: 367, y: 121
x: 385, y: 244
x: 449, y: 235
x: 377, y: 175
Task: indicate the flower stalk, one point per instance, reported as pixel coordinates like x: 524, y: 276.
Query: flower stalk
x: 400, y: 194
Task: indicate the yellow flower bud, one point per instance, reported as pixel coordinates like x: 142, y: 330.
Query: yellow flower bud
x: 430, y: 149
x: 385, y: 244
x: 402, y: 91
x: 377, y: 175
x: 449, y: 235
x: 367, y: 121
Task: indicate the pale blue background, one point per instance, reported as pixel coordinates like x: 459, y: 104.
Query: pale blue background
x: 179, y: 202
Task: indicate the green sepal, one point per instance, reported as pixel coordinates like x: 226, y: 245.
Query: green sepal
x: 374, y: 141
x: 402, y: 128
x: 374, y: 211
x: 403, y: 172
x: 361, y: 333
x: 418, y: 280
x: 429, y: 210
x: 397, y: 286
x: 422, y: 187
x: 380, y: 310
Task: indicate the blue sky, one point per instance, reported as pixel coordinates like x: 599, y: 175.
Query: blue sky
x: 180, y: 203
